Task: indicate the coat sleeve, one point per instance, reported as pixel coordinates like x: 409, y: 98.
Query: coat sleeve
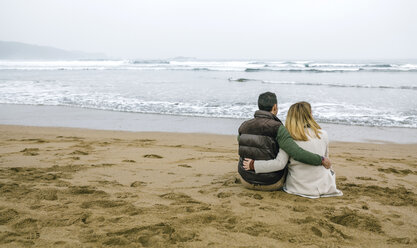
x: 286, y: 143
x: 277, y: 164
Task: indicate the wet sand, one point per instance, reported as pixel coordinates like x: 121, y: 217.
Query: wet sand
x: 62, y: 116
x: 77, y: 187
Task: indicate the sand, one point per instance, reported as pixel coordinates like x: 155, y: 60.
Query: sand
x: 66, y: 187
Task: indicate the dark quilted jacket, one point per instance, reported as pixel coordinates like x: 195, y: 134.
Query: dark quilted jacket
x: 257, y: 140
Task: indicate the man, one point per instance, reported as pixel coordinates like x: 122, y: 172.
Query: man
x: 260, y: 139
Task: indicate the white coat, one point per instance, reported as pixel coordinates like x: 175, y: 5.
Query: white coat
x: 303, y: 179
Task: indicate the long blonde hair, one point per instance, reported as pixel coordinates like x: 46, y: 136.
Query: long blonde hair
x: 299, y: 117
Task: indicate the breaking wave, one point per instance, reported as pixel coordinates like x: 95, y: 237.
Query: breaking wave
x: 243, y: 66
x: 403, y: 87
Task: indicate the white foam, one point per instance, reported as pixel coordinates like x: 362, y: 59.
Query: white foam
x: 302, y: 66
x: 56, y: 94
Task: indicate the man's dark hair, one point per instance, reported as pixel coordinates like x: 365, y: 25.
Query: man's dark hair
x: 267, y: 100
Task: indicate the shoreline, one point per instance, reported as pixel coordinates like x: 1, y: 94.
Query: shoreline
x: 82, y: 187
x: 62, y: 116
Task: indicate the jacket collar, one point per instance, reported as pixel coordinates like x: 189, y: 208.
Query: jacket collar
x: 265, y: 114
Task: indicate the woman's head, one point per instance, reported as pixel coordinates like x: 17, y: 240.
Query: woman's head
x: 299, y: 117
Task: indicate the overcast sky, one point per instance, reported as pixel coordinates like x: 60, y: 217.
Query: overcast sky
x: 261, y: 29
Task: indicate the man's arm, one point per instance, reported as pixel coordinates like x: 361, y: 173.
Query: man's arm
x: 286, y: 142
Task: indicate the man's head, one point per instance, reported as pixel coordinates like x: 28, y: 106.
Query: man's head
x: 268, y: 101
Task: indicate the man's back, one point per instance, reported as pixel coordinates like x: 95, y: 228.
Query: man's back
x: 257, y: 140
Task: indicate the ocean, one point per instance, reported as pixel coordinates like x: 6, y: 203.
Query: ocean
x: 367, y: 93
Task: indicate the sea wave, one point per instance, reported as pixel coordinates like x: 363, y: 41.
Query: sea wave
x: 333, y: 69
x: 158, y: 62
x: 344, y: 85
x: 238, y: 66
x: 340, y: 113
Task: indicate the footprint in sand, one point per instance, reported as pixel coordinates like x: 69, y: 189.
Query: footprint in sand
x: 396, y: 171
x: 224, y: 194
x: 78, y: 152
x: 255, y: 196
x: 404, y: 241
x: 47, y: 194
x: 185, y: 165
x: 157, y: 235
x: 85, y: 190
x: 33, y: 235
x: 366, y: 178
x: 27, y: 226
x: 152, y: 156
x: 316, y: 231
x: 137, y: 184
x: 249, y: 204
x: 354, y: 219
x: 103, y: 165
x: 8, y: 215
x: 35, y: 140
x: 110, y: 183
x: 102, y: 204
x: 180, y: 198
x: 129, y: 161
x: 299, y: 209
x: 145, y: 140
x: 267, y: 208
x: 320, y: 226
x: 30, y: 151
x: 341, y: 178
x: 390, y: 196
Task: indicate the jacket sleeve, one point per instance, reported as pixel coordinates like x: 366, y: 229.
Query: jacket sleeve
x: 277, y: 164
x: 287, y: 143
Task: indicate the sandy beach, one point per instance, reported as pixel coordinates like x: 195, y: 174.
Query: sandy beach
x: 119, y: 123
x: 77, y: 187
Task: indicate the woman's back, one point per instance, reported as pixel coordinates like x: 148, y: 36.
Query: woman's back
x: 311, y: 181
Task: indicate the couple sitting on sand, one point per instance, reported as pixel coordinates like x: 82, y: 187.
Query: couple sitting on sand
x: 296, y: 160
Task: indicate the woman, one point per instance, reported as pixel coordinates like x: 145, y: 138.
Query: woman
x: 302, y: 179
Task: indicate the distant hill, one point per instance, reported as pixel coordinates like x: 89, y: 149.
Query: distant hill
x: 17, y: 50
